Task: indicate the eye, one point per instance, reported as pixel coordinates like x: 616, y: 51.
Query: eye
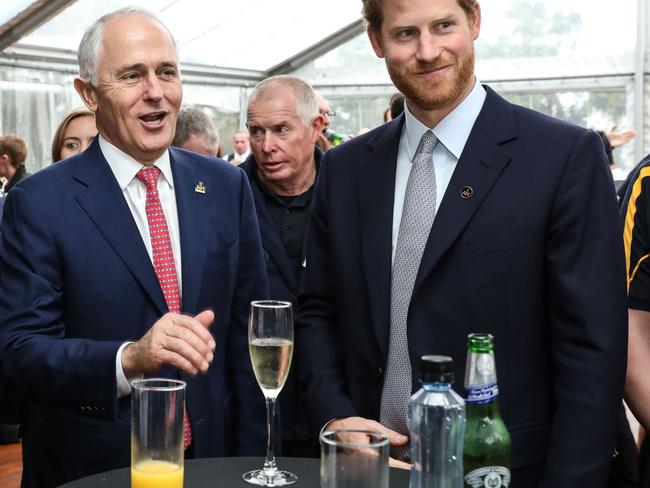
x: 444, y: 26
x: 168, y: 73
x: 406, y: 34
x: 132, y: 76
x: 255, y: 131
x: 71, y: 145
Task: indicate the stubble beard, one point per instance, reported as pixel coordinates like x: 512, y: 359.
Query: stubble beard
x: 427, y: 95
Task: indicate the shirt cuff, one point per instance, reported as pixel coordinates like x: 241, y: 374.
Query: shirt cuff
x: 123, y: 384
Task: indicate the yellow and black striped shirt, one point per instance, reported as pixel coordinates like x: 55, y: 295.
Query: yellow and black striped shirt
x: 635, y: 212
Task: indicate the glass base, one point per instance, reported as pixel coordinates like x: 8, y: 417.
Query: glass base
x: 269, y: 477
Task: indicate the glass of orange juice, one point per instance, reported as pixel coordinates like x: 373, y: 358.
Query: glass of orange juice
x: 157, y: 455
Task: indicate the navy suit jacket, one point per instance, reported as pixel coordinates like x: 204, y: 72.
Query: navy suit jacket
x: 533, y: 256
x: 77, y: 282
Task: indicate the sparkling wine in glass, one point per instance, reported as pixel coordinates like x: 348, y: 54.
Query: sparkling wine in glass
x: 270, y: 343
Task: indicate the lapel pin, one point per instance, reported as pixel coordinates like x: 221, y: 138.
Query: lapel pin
x: 200, y: 187
x: 466, y: 192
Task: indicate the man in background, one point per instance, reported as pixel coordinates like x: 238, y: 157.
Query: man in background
x: 241, y: 146
x: 284, y: 125
x: 196, y: 132
x: 13, y: 153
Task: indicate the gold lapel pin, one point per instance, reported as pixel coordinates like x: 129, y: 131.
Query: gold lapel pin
x: 200, y: 187
x: 466, y: 192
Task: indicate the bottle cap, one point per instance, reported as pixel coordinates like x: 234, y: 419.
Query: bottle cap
x: 436, y: 369
x: 480, y: 342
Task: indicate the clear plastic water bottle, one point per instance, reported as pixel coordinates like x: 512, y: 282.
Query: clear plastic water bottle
x: 436, y: 421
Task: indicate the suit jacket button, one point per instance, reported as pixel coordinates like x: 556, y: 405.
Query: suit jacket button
x: 380, y: 372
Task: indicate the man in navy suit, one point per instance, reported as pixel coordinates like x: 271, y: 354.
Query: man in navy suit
x: 85, y: 305
x: 523, y: 243
x: 284, y: 125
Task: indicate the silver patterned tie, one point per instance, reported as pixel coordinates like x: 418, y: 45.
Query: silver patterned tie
x: 415, y: 225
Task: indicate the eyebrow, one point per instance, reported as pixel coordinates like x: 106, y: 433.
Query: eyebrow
x: 445, y: 17
x: 143, y: 67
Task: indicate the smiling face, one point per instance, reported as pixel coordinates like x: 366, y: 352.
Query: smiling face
x: 282, y: 144
x: 428, y: 46
x: 139, y: 92
x: 79, y: 134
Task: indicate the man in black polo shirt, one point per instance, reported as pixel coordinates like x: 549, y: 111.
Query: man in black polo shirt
x: 284, y: 124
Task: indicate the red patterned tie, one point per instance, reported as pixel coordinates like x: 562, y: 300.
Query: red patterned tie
x: 163, y: 256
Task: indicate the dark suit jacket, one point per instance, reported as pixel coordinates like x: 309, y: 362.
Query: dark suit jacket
x: 20, y: 174
x: 533, y: 256
x: 77, y: 282
x: 283, y: 285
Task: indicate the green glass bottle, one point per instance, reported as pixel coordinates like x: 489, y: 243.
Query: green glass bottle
x: 486, y: 455
x: 334, y: 137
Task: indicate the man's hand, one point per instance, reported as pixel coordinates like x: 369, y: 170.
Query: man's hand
x: 617, y: 139
x: 176, y: 340
x: 359, y: 423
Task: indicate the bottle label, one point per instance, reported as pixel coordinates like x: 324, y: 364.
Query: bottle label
x: 489, y: 477
x: 482, y: 393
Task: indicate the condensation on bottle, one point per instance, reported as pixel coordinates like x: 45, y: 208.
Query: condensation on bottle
x: 436, y: 421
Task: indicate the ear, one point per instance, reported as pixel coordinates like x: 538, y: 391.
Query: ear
x: 317, y: 124
x: 475, y: 21
x: 375, y: 42
x: 87, y: 93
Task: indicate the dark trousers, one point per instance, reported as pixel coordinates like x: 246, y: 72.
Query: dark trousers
x: 9, y: 416
x: 644, y: 464
x: 625, y: 461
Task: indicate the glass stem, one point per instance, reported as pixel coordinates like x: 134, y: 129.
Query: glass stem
x: 269, y: 463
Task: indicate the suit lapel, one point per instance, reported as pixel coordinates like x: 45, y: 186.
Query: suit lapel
x: 375, y: 185
x: 103, y: 201
x: 193, y: 221
x: 480, y: 165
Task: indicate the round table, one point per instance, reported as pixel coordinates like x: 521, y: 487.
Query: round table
x: 226, y: 473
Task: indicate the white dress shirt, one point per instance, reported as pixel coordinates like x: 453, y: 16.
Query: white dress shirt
x: 452, y: 133
x: 125, y: 169
x: 241, y: 157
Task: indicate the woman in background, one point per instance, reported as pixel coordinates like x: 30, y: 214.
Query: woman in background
x: 74, y: 134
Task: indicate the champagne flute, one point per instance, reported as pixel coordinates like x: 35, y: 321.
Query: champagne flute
x: 270, y: 343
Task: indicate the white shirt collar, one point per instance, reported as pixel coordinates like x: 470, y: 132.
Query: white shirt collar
x: 125, y: 168
x: 452, y: 131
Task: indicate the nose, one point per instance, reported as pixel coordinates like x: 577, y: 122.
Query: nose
x: 153, y: 89
x: 268, y: 143
x: 428, y: 48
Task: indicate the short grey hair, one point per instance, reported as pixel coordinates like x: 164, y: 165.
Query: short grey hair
x: 91, y: 42
x: 194, y: 121
x: 306, y: 101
